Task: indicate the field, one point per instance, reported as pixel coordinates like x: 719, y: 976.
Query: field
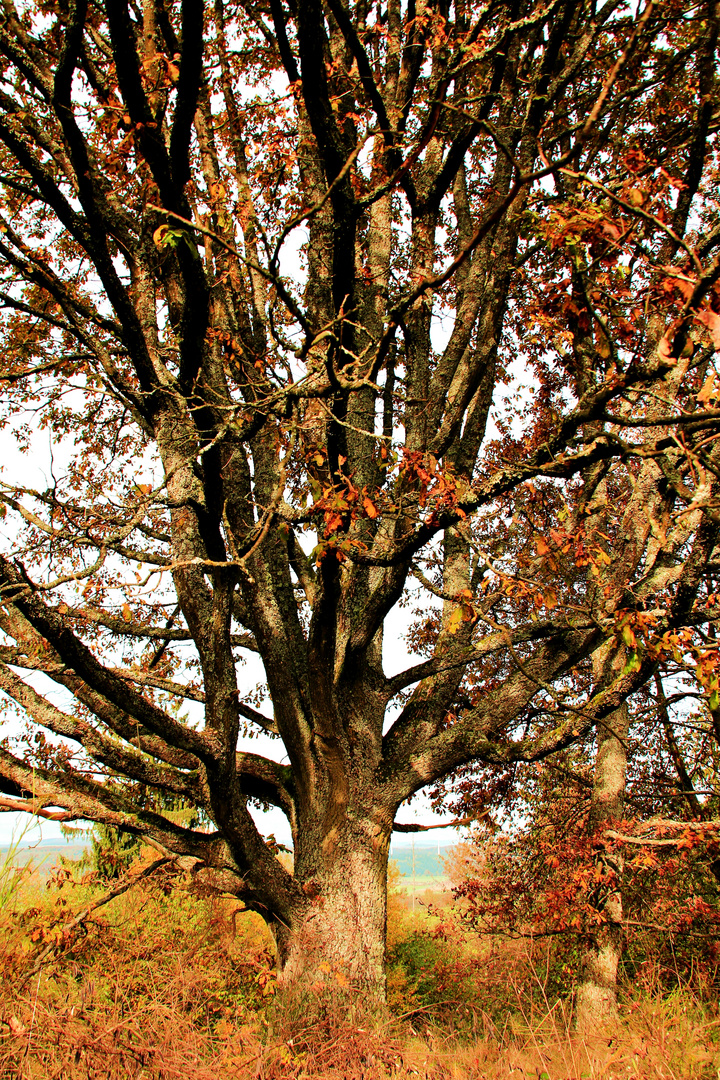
x: 421, y: 870
x: 162, y: 983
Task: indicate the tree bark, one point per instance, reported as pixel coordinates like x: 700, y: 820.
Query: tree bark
x: 335, y: 943
x: 597, y: 993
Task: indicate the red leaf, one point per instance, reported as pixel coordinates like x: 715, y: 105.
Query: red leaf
x: 712, y: 321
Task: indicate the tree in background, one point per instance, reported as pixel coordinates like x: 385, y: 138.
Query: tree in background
x: 328, y: 308
x: 640, y: 895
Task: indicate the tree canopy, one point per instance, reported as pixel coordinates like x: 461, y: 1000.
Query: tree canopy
x: 331, y: 307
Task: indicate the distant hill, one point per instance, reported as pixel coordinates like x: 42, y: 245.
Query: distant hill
x: 428, y: 863
x: 44, y: 856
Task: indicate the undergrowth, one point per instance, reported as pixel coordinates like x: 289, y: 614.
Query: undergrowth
x: 164, y: 983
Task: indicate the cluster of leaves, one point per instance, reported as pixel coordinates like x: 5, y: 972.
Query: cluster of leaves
x: 545, y: 875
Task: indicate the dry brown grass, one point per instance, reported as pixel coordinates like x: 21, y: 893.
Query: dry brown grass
x: 141, y: 989
x: 165, y: 986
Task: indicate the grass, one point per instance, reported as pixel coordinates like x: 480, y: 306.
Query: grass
x: 161, y: 983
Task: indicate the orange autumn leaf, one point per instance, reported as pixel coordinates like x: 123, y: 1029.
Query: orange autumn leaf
x: 370, y: 508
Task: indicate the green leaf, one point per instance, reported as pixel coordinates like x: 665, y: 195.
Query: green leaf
x: 633, y: 664
x: 164, y: 236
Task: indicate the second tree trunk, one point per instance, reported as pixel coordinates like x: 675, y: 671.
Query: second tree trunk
x: 597, y: 993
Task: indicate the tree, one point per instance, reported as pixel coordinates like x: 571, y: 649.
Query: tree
x: 640, y: 895
x: 499, y: 313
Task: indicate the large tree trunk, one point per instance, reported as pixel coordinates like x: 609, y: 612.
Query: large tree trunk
x: 335, y: 943
x: 597, y: 993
